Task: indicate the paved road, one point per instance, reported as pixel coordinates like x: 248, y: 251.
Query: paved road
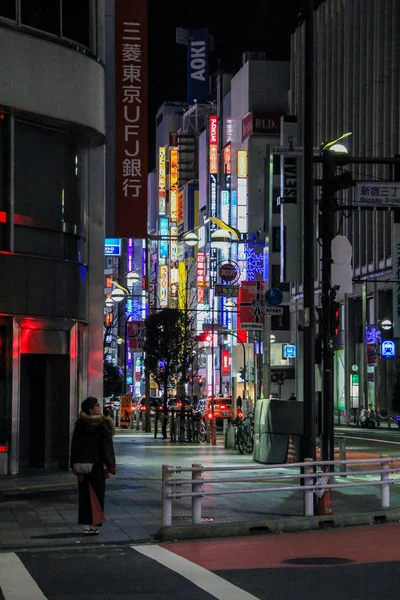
x: 350, y: 563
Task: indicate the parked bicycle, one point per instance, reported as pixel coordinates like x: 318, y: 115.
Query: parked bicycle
x: 244, y: 433
x: 199, y: 428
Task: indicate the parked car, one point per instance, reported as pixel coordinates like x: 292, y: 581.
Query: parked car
x: 176, y: 403
x: 222, y: 410
x: 155, y: 406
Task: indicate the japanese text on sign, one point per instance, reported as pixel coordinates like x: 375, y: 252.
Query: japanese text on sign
x: 131, y: 118
x: 378, y: 193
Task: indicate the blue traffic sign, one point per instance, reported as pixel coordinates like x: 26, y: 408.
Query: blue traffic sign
x: 274, y: 296
x: 388, y: 349
x: 289, y: 351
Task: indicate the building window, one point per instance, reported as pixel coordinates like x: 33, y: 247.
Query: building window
x: 46, y: 174
x: 66, y: 19
x: 76, y: 20
x: 41, y: 14
x: 8, y: 9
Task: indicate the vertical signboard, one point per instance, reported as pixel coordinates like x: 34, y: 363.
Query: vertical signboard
x: 197, y: 66
x: 241, y: 213
x: 252, y: 305
x: 396, y: 272
x: 173, y: 184
x: 213, y: 185
x: 291, y: 205
x: 163, y: 286
x: 200, y: 277
x: 164, y: 232
x: 131, y: 118
x: 225, y: 367
x: 162, y: 202
x: 226, y: 193
x: 136, y: 335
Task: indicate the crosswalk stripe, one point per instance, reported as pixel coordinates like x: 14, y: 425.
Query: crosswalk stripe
x: 15, y: 581
x: 205, y: 580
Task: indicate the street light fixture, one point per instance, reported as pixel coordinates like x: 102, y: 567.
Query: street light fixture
x: 117, y: 295
x: 190, y: 238
x: 132, y: 278
x: 221, y: 239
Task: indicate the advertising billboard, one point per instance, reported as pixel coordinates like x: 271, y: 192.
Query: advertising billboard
x: 197, y: 66
x: 131, y: 118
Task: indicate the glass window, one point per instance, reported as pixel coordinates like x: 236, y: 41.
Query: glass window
x: 76, y: 20
x: 46, y: 174
x: 41, y: 14
x: 8, y: 10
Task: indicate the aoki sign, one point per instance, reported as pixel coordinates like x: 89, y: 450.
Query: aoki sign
x: 197, y: 66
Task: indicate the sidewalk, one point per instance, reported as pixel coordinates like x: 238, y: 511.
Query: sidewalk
x: 40, y: 509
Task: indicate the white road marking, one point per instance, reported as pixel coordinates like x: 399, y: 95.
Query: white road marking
x: 15, y: 581
x: 205, y: 580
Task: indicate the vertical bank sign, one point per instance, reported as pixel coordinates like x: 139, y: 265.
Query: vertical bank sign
x: 131, y: 118
x: 213, y: 183
x: 197, y: 66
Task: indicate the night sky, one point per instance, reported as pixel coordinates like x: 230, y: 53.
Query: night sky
x: 253, y: 25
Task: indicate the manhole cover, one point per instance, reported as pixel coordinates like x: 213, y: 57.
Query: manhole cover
x: 318, y: 560
x: 189, y: 519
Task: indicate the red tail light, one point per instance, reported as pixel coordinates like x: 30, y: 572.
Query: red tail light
x: 142, y: 408
x: 240, y: 415
x: 210, y: 416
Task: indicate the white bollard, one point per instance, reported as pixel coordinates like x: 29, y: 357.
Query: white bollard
x: 308, y: 494
x: 166, y: 501
x: 385, y: 494
x: 196, y: 500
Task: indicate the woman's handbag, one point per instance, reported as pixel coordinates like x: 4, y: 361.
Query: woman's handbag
x: 83, y: 468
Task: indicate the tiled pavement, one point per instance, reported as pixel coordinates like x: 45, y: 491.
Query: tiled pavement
x: 40, y: 509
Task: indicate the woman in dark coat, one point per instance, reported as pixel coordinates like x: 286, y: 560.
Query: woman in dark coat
x: 92, y: 443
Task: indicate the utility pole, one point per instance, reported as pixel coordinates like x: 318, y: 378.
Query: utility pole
x: 327, y: 296
x: 333, y: 155
x: 308, y: 243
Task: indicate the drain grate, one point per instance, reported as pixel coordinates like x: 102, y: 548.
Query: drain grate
x: 318, y: 560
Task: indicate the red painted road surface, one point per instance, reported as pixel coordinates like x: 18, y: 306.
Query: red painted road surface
x: 363, y: 545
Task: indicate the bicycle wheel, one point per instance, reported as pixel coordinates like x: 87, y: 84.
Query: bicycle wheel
x: 201, y: 433
x: 249, y: 442
x: 240, y: 441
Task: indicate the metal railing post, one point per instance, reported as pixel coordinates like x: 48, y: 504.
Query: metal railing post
x: 342, y: 452
x: 308, y: 494
x: 166, y: 501
x: 196, y: 489
x: 385, y: 489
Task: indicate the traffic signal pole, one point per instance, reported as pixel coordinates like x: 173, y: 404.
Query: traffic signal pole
x: 327, y: 223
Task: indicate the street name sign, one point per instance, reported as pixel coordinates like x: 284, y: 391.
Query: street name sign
x: 377, y: 193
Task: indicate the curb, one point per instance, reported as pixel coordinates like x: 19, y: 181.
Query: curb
x: 175, y: 533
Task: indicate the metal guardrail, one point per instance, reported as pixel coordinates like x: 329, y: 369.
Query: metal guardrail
x: 311, y: 482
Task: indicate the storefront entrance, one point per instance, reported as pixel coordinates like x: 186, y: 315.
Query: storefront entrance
x: 44, y: 411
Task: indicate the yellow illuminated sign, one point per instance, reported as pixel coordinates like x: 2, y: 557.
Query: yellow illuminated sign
x: 242, y: 163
